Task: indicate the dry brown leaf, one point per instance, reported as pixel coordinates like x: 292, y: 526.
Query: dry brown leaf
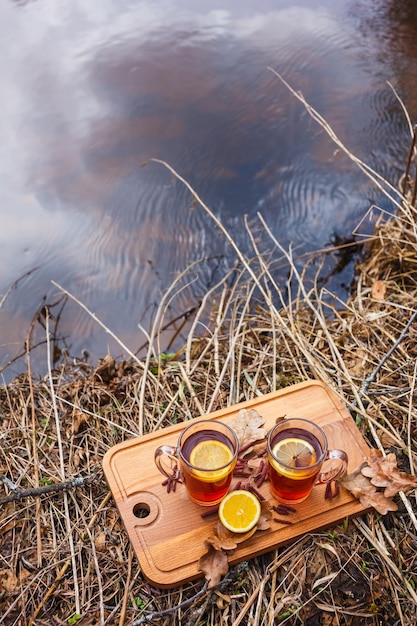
x: 224, y: 539
x: 14, y: 523
x: 241, y: 537
x: 223, y: 600
x: 213, y: 564
x: 248, y: 426
x: 106, y: 369
x: 266, y: 514
x: 80, y: 418
x: 357, y: 361
x: 221, y: 538
x: 379, y: 289
x: 10, y: 582
x: 383, y: 472
x: 263, y: 523
x: 100, y: 542
x: 361, y: 488
x: 379, y: 502
x: 254, y: 463
x: 355, y: 482
x: 380, y: 468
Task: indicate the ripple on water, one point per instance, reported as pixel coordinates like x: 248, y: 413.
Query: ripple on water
x: 126, y: 88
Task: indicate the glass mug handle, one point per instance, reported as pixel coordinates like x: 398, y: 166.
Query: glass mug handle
x: 161, y: 453
x: 334, y: 466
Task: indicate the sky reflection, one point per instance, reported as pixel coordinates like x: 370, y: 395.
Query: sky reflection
x: 94, y: 90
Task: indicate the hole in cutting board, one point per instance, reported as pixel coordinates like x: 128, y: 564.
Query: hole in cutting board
x: 144, y: 508
x: 141, y: 510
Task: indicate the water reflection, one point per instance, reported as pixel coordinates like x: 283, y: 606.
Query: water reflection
x: 94, y: 90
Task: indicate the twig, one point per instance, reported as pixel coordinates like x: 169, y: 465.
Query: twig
x: 20, y: 494
x: 387, y: 392
x: 6, y: 481
x: 370, y: 379
x: 413, y: 132
x: 385, y: 556
x: 239, y: 471
x: 185, y: 603
x: 410, y: 420
x: 15, y: 284
x: 263, y: 474
x: 250, y: 600
x: 171, y: 482
x: 173, y: 609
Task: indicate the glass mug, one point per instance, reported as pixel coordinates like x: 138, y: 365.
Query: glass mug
x: 206, y: 453
x: 298, y: 457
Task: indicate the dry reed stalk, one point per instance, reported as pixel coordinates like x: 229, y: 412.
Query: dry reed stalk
x: 387, y: 188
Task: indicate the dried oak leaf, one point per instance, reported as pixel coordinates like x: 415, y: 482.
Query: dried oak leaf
x: 266, y: 514
x: 383, y: 472
x: 248, y: 426
x: 378, y: 290
x: 100, y: 542
x: 254, y: 463
x: 213, y: 564
x: 379, y: 502
x: 11, y: 583
x: 224, y: 539
x: 9, y: 580
x: 361, y: 488
x: 221, y: 539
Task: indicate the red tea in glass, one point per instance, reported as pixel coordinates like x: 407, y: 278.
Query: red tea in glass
x: 297, y: 449
x: 206, y: 453
x: 206, y: 479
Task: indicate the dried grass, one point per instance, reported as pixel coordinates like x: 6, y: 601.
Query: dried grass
x: 64, y: 556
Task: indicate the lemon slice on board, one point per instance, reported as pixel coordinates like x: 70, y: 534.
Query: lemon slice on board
x: 295, y: 452
x: 239, y: 511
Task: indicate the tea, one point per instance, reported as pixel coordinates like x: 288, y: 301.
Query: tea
x: 206, y: 453
x: 209, y: 462
x: 295, y: 456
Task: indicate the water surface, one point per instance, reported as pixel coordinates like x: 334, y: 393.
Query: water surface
x: 93, y: 90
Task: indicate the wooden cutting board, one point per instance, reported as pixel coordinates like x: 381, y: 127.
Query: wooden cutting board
x: 167, y: 530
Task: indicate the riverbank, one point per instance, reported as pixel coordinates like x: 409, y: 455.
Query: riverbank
x: 65, y: 557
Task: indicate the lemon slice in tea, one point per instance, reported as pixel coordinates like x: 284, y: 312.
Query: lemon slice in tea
x: 295, y: 452
x: 239, y: 511
x: 210, y: 454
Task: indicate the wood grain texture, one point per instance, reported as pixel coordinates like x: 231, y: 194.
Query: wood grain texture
x: 168, y: 542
